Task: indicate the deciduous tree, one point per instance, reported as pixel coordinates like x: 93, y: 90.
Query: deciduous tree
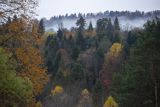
x: 110, y: 102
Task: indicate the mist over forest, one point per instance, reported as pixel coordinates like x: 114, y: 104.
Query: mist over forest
x: 128, y: 20
x: 104, y: 59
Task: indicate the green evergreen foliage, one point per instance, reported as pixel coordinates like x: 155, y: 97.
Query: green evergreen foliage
x: 80, y: 41
x: 41, y: 27
x: 77, y: 60
x: 77, y: 72
x: 116, y: 24
x: 60, y: 34
x: 101, y: 28
x: 76, y: 51
x: 9, y: 20
x: 15, y: 18
x: 138, y: 83
x: 110, y: 30
x: 90, y: 27
x: 98, y: 93
x: 81, y: 23
x: 116, y: 38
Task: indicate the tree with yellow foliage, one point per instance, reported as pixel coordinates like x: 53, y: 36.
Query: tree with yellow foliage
x: 115, y: 50
x: 110, y: 102
x: 38, y: 104
x: 57, y: 90
x: 85, y: 99
x: 112, y: 63
x: 85, y: 92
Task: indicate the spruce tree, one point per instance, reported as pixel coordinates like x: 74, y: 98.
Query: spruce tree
x: 138, y: 83
x: 110, y: 30
x: 90, y: 27
x: 80, y: 33
x: 41, y: 28
x: 116, y: 31
x: 116, y: 24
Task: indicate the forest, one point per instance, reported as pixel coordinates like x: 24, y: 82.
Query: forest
x: 127, y: 19
x: 85, y: 66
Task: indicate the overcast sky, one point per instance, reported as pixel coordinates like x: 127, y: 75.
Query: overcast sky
x: 48, y: 8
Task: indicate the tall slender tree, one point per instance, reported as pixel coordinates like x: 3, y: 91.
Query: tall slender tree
x: 80, y: 33
x: 41, y: 28
x: 110, y: 30
x: 116, y: 24
x: 81, y: 23
x: 90, y: 27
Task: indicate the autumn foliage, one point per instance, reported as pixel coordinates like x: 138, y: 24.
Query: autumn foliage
x: 110, y: 102
x: 38, y: 104
x: 24, y: 73
x: 22, y: 41
x: 27, y: 53
x: 115, y: 50
x: 32, y: 67
x: 14, y: 90
x: 85, y: 92
x: 112, y: 63
x: 57, y: 90
x: 85, y: 99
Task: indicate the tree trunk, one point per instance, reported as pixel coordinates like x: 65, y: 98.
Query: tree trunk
x: 156, y: 94
x: 155, y: 85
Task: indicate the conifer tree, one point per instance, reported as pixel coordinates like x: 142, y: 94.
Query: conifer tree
x: 116, y: 24
x: 90, y: 27
x: 80, y: 33
x: 41, y: 28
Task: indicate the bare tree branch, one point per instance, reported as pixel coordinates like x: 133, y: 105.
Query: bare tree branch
x: 8, y: 8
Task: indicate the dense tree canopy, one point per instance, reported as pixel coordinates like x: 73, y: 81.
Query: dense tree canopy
x: 138, y: 83
x: 14, y: 90
x: 77, y: 67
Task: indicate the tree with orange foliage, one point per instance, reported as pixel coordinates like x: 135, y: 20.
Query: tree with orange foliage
x: 24, y: 42
x: 31, y: 59
x: 15, y: 91
x: 31, y: 65
x: 20, y: 37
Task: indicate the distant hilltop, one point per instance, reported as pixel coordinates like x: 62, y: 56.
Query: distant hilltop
x: 127, y: 18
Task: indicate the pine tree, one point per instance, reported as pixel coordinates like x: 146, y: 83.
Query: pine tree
x: 15, y: 18
x: 81, y: 23
x: 116, y: 38
x: 90, y: 27
x: 116, y: 24
x: 102, y: 28
x: 9, y: 20
x: 80, y: 33
x: 110, y: 30
x: 41, y: 28
x: 138, y: 83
